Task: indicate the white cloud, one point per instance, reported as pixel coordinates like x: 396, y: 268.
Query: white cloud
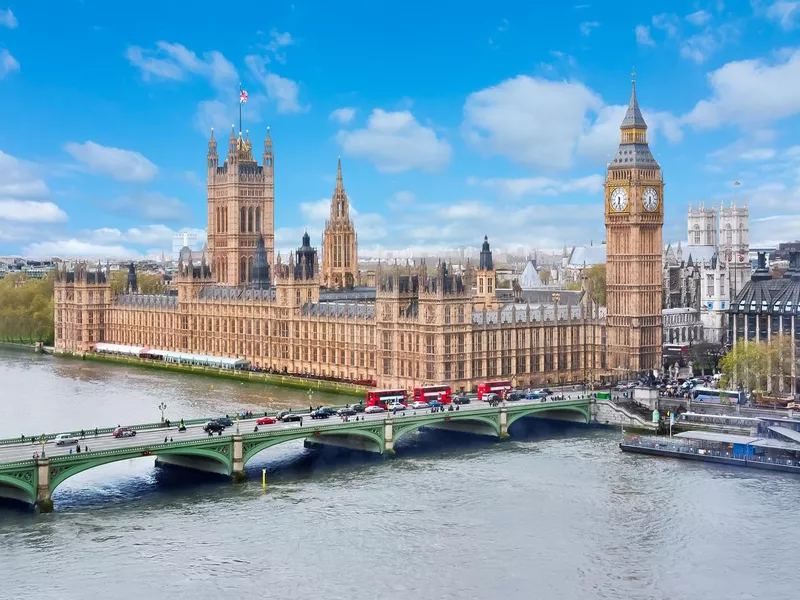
x: 532, y: 121
x: 784, y: 13
x: 699, y: 18
x: 151, y: 206
x: 667, y: 22
x: 7, y: 19
x: 396, y: 142
x: 343, y: 115
x: 276, y: 42
x: 18, y: 179
x: 8, y: 64
x: 280, y: 90
x: 467, y: 209
x: 74, y: 248
x: 160, y: 236
x: 643, y: 37
x: 700, y: 46
x: 541, y: 186
x: 30, y: 211
x: 316, y: 211
x: 749, y: 93
x: 587, y: 26
x: 122, y: 165
x: 176, y: 62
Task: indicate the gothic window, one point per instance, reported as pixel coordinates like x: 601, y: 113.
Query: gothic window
x: 243, y: 268
x: 696, y: 240
x: 250, y: 220
x: 710, y: 285
x: 242, y: 220
x: 722, y: 285
x: 258, y: 220
x: 728, y: 234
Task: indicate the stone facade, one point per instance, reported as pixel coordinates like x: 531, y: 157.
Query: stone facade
x: 415, y: 325
x: 634, y: 215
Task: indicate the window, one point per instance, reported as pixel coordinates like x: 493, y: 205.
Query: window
x: 242, y: 220
x: 250, y: 220
x: 697, y: 235
x: 728, y: 234
x: 722, y: 285
x: 447, y: 317
x: 710, y: 284
x: 258, y: 220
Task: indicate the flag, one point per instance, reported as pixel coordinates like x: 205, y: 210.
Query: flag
x: 243, y: 97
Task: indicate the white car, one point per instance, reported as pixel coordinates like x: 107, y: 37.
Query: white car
x: 65, y: 439
x: 420, y: 404
x: 397, y: 406
x: 373, y: 409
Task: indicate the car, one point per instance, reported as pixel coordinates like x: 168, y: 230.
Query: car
x: 359, y: 408
x: 419, y: 404
x: 371, y: 410
x: 347, y: 411
x: 514, y: 396
x: 213, y: 427
x: 491, y: 397
x: 395, y: 406
x: 291, y: 417
x: 282, y: 414
x: 320, y: 413
x: 224, y: 421
x: 435, y: 404
x: 121, y: 432
x: 461, y: 400
x: 533, y: 396
x: 65, y: 439
x: 266, y: 421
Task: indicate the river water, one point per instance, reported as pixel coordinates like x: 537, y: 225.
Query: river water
x: 556, y: 513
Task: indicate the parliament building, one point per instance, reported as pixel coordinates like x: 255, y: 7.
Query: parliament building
x: 308, y: 313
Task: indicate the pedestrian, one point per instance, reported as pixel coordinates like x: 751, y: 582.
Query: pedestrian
x: 170, y: 439
x: 85, y: 448
x: 70, y: 450
x: 83, y: 434
x: 165, y: 439
x: 95, y: 432
x: 301, y: 421
x: 23, y: 437
x: 78, y: 448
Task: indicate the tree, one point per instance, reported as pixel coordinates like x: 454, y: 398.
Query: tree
x: 148, y: 283
x: 758, y: 366
x: 26, y: 309
x: 545, y: 275
x: 574, y: 286
x: 597, y: 283
x: 704, y: 356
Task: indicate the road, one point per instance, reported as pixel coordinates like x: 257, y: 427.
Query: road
x: 24, y: 451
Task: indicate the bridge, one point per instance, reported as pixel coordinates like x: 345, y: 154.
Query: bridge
x: 31, y: 471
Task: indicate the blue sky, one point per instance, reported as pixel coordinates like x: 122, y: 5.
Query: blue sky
x: 453, y: 119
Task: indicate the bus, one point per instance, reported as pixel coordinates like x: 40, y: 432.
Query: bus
x: 383, y: 398
x: 704, y: 394
x: 494, y: 387
x: 442, y: 393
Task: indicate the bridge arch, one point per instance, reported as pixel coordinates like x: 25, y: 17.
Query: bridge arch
x: 60, y: 473
x: 583, y: 411
x: 19, y: 485
x: 251, y: 447
x: 401, y: 429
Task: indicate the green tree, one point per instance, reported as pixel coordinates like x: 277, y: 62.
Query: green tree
x: 26, y: 309
x: 545, y: 275
x: 758, y: 366
x: 596, y: 276
x: 148, y: 283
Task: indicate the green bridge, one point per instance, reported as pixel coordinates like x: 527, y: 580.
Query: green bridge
x: 33, y: 479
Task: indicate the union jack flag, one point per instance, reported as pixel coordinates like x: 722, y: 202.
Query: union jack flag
x: 243, y: 97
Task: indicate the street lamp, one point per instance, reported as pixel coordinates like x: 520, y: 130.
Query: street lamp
x: 162, y: 407
x: 42, y: 441
x: 237, y: 424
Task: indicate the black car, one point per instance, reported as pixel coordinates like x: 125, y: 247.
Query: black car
x: 213, y: 427
x: 290, y: 417
x: 224, y: 421
x: 346, y: 412
x: 514, y: 396
x: 359, y: 408
x: 461, y: 400
x: 320, y: 413
x: 282, y: 414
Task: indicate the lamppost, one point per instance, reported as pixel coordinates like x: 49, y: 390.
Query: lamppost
x: 162, y: 407
x: 237, y: 424
x: 42, y: 441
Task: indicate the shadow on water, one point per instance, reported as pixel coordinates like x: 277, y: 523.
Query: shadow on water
x: 291, y: 463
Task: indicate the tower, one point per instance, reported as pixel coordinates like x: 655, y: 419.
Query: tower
x: 702, y: 226
x: 298, y: 283
x: 241, y: 207
x: 339, y: 241
x: 634, y: 217
x: 734, y: 230
x: 82, y: 306
x: 485, y: 277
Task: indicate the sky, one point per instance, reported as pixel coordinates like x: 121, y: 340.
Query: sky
x: 453, y: 120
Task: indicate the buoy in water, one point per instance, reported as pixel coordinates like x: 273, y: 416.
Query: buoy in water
x: 211, y: 387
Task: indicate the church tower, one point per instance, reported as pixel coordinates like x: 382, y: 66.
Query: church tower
x: 734, y: 230
x: 339, y: 241
x: 241, y: 207
x: 634, y: 216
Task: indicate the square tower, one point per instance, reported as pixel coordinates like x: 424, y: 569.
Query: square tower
x: 734, y: 231
x: 634, y: 216
x: 241, y: 208
x: 702, y: 226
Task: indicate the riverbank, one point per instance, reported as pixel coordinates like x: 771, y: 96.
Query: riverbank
x: 23, y: 346
x: 288, y: 381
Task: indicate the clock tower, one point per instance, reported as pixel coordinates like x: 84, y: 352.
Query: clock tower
x: 634, y: 215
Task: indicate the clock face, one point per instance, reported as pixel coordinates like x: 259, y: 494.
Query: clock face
x: 650, y: 199
x: 619, y: 199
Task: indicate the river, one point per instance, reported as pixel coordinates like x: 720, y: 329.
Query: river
x: 555, y: 513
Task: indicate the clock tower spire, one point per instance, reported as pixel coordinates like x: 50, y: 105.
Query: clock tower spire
x: 634, y: 216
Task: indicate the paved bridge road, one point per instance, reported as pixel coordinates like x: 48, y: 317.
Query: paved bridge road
x: 24, y: 451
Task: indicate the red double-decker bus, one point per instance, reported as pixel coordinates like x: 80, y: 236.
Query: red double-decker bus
x: 494, y: 387
x: 426, y: 393
x: 383, y: 398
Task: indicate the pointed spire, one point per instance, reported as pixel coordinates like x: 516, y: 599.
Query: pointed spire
x: 339, y: 182
x: 633, y: 116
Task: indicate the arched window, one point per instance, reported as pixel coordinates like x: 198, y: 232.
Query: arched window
x: 250, y: 220
x: 728, y: 234
x: 250, y: 269
x: 697, y: 235
x: 242, y: 220
x: 258, y: 220
x: 218, y: 219
x: 243, y: 268
x: 224, y: 219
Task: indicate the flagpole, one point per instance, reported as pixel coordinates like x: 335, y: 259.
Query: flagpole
x: 240, y: 109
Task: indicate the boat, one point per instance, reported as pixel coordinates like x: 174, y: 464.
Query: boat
x: 757, y: 452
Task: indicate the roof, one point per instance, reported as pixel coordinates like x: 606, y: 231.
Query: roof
x: 227, y: 292
x: 712, y: 436
x: 634, y: 155
x: 587, y: 256
x: 519, y: 313
x: 361, y: 310
x: 159, y: 300
x: 530, y: 277
x: 786, y: 432
x: 633, y: 116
